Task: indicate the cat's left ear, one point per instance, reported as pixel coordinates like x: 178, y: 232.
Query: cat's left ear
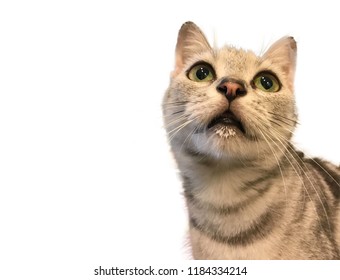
x: 190, y: 42
x: 282, y: 54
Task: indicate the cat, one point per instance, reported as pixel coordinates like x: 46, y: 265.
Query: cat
x: 230, y: 116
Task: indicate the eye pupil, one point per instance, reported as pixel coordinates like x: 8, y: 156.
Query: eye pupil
x: 266, y: 82
x: 202, y: 73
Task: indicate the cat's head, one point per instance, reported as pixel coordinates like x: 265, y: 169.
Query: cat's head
x: 228, y: 102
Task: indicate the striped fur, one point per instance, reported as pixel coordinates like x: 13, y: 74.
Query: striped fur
x: 249, y: 193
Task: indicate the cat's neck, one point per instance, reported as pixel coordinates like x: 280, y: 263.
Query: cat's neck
x: 224, y: 181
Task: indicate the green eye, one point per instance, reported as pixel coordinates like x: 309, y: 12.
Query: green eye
x: 201, y: 73
x: 267, y: 82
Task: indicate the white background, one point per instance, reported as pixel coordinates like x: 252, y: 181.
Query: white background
x: 86, y: 177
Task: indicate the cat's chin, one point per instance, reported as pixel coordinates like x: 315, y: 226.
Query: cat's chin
x: 222, y: 142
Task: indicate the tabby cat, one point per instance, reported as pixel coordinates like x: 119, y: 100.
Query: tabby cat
x: 229, y: 116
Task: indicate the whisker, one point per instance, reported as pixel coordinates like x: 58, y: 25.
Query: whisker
x: 280, y: 125
x: 176, y: 103
x: 284, y: 117
x: 295, y: 170
x: 275, y: 122
x: 173, y: 132
x: 289, y: 146
x: 277, y: 160
x: 174, y: 107
x: 282, y: 121
x: 178, y: 112
x: 305, y: 173
x: 190, y: 134
x: 324, y: 170
x: 180, y: 118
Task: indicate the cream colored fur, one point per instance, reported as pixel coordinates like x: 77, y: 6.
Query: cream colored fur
x: 217, y: 165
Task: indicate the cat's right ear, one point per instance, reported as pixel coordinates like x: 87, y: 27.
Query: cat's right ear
x: 283, y: 54
x: 190, y: 42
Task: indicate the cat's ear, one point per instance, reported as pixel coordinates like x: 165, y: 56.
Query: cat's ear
x: 190, y: 41
x: 283, y: 54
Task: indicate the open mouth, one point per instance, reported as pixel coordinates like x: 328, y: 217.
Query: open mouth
x: 227, y: 119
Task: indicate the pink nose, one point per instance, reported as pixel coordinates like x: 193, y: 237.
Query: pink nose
x: 231, y: 90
